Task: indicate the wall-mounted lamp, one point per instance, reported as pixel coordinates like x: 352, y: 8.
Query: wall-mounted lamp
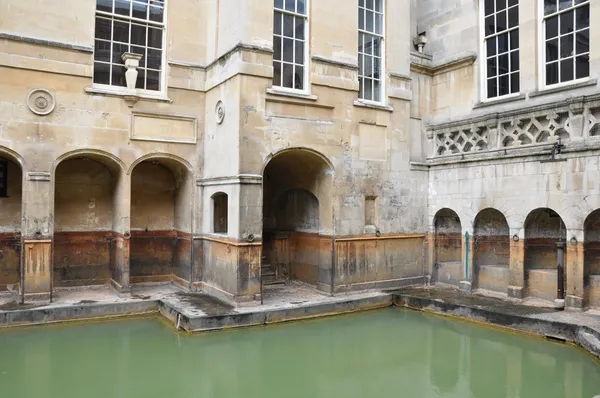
x: 573, y: 240
x: 516, y: 237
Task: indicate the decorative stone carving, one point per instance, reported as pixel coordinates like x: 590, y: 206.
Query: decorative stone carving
x: 462, y: 141
x: 132, y: 62
x: 530, y: 130
x: 594, y: 122
x: 220, y: 112
x: 41, y: 102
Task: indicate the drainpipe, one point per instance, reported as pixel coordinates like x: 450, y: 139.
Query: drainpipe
x: 559, y: 303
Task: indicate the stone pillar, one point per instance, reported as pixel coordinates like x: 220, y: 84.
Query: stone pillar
x: 516, y: 282
x: 430, y: 258
x: 250, y: 232
x: 574, y: 293
x: 467, y: 260
x: 120, y: 247
x: 37, y: 232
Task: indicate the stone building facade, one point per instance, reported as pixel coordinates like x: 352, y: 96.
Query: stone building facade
x: 349, y: 145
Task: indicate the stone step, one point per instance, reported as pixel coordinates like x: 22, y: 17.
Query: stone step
x: 267, y: 273
x: 274, y: 282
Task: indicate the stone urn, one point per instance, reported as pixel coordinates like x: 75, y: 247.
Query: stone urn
x: 132, y: 62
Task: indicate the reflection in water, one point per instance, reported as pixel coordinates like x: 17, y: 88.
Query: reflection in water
x: 382, y: 353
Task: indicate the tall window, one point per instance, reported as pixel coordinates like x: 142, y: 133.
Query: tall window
x: 3, y: 178
x: 289, y: 44
x: 567, y: 40
x: 370, y: 49
x: 502, y: 47
x: 134, y: 26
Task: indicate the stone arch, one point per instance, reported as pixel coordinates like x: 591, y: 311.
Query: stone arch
x: 491, y: 251
x: 87, y: 196
x: 297, y: 212
x: 591, y: 259
x: 11, y: 210
x: 448, y: 266
x: 161, y: 219
x: 544, y: 228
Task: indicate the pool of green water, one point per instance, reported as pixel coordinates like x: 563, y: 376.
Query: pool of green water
x: 384, y: 353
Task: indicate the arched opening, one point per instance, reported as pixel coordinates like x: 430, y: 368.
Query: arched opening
x: 161, y: 226
x: 448, y: 266
x: 297, y: 208
x: 591, y: 259
x: 84, y: 218
x: 491, y: 251
x: 543, y: 230
x: 220, y: 213
x: 11, y: 188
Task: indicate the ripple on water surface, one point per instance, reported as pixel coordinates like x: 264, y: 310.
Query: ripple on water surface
x: 385, y: 353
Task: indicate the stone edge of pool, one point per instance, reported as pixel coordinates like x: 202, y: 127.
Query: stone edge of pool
x: 571, y: 327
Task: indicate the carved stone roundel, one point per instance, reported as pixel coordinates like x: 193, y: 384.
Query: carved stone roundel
x: 41, y: 102
x: 220, y: 111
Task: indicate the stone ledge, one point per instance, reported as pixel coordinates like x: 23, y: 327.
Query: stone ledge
x: 499, y: 101
x: 48, y: 43
x: 568, y: 87
x: 373, y: 105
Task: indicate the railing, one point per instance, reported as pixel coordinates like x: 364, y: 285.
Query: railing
x: 573, y: 119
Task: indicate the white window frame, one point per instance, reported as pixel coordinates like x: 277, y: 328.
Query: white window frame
x: 307, y: 86
x: 163, y: 71
x: 483, y: 77
x: 542, y: 48
x: 382, y: 94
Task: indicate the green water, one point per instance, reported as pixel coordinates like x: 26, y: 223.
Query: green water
x: 386, y: 353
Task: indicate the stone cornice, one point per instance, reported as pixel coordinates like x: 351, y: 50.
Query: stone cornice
x: 328, y: 61
x: 47, y: 43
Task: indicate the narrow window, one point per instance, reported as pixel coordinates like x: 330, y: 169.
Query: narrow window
x: 126, y: 26
x: 567, y: 40
x: 290, y: 44
x: 3, y: 178
x: 501, y: 24
x: 370, y: 210
x: 220, y: 213
x: 370, y: 49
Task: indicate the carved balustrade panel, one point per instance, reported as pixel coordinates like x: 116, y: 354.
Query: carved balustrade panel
x: 534, y: 129
x: 464, y: 140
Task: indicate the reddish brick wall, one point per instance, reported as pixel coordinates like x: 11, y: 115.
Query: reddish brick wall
x: 152, y: 254
x: 82, y: 257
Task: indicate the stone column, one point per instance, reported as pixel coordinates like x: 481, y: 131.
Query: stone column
x: 516, y: 282
x: 574, y: 292
x: 121, y: 242
x: 250, y: 232
x: 37, y: 232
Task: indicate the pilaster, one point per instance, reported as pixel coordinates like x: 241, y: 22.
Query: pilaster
x: 516, y: 282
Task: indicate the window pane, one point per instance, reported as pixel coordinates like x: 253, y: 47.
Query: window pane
x: 566, y: 46
x: 514, y: 83
x: 552, y: 73
x: 489, y: 7
x: 503, y: 43
x: 503, y: 86
x: 299, y: 78
x: 514, y: 39
x: 101, y: 73
x: 104, y: 5
x: 279, y: 4
x: 368, y: 44
x: 566, y: 22
x: 156, y: 14
x: 503, y: 64
x: 549, y: 6
x: 299, y: 28
x: 552, y: 50
x: 564, y: 4
x: 301, y: 7
x: 378, y: 6
x: 370, y: 21
x: 122, y: 7
x: 154, y: 59
x: 288, y: 76
x: 140, y: 10
x: 121, y: 32
x: 582, y: 17
x: 368, y: 66
x: 370, y: 4
x: 500, y: 5
x: 376, y: 90
x: 152, y: 80
x: 288, y: 25
x: 102, y: 51
x: 566, y: 70
x: 277, y: 48
x: 142, y: 52
x: 582, y: 41
x: 492, y: 88
x: 141, y: 79
x: 377, y: 46
x: 288, y: 50
x: 118, y: 76
x: 138, y: 35
x: 492, y: 67
x: 379, y: 23
x: 361, y: 83
x: 103, y: 28
x: 155, y: 37
x: 514, y: 61
x: 551, y: 27
x: 513, y: 2
x: 377, y: 68
x: 299, y: 52
x: 490, y: 26
x: 118, y: 51
x: 582, y: 66
x: 290, y: 5
x: 513, y: 17
x: 277, y: 73
x: 368, y: 89
x: 501, y: 21
x: 491, y: 46
x: 361, y: 19
x: 277, y: 23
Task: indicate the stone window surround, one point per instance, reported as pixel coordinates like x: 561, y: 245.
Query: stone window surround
x: 511, y: 50
x: 305, y: 90
x: 542, y: 48
x: 157, y: 95
x: 382, y: 94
